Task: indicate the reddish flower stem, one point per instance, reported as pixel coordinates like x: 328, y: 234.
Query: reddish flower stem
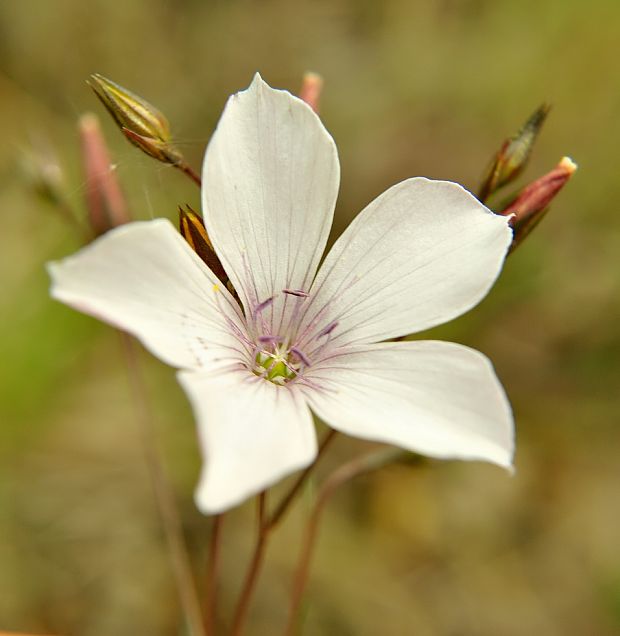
x: 190, y: 172
x: 265, y: 526
x: 340, y: 476
x: 283, y: 506
x: 253, y: 570
x: 213, y: 566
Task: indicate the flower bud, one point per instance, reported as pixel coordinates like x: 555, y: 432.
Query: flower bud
x: 159, y: 150
x: 531, y: 205
x: 143, y: 124
x: 105, y: 201
x: 130, y: 111
x: 41, y: 169
x: 311, y: 88
x: 193, y: 231
x: 514, y: 154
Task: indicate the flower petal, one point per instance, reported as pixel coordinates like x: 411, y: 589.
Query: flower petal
x: 145, y: 279
x: 436, y: 398
x: 252, y: 434
x: 422, y: 253
x: 271, y: 177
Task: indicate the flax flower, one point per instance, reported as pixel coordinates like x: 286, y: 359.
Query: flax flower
x: 300, y: 341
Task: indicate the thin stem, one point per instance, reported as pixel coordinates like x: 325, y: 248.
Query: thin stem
x: 164, y: 496
x: 67, y: 213
x: 185, y: 168
x: 253, y: 570
x: 213, y: 565
x: 299, y: 482
x: 340, y: 476
x: 265, y: 525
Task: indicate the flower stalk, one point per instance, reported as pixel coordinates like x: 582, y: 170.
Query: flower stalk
x: 342, y: 475
x: 164, y: 496
x: 266, y: 524
x: 213, y: 567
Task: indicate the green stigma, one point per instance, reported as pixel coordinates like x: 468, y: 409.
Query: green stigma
x: 274, y: 367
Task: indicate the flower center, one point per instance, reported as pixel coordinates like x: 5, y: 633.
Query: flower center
x: 277, y: 367
x: 280, y: 358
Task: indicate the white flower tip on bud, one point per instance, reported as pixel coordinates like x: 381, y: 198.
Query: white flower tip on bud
x: 568, y: 164
x: 88, y: 122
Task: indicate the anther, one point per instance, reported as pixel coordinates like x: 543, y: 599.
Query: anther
x: 270, y: 339
x: 301, y: 355
x: 327, y: 330
x: 296, y: 292
x: 262, y: 306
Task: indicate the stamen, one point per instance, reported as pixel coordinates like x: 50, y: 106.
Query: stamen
x: 296, y: 292
x: 262, y: 306
x: 293, y: 318
x: 301, y: 355
x: 327, y: 330
x: 270, y: 339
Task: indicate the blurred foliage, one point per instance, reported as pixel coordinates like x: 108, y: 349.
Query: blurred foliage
x: 411, y: 88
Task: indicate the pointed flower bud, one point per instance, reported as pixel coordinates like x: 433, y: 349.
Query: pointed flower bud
x: 105, y: 201
x: 532, y: 203
x: 143, y: 124
x: 311, y: 88
x: 130, y: 111
x: 193, y: 231
x: 514, y: 154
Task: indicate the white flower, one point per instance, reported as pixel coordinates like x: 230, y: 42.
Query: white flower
x: 422, y: 253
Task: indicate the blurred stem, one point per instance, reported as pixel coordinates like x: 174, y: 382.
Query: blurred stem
x: 254, y: 569
x: 288, y: 498
x: 164, y: 496
x: 67, y: 213
x: 265, y: 526
x: 212, y: 575
x: 342, y: 475
x: 185, y: 168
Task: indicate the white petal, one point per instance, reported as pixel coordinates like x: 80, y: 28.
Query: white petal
x: 252, y: 434
x: 436, y: 398
x: 145, y: 279
x: 270, y: 177
x: 422, y: 253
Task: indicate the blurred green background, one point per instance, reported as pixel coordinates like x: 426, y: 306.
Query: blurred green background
x: 411, y: 88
